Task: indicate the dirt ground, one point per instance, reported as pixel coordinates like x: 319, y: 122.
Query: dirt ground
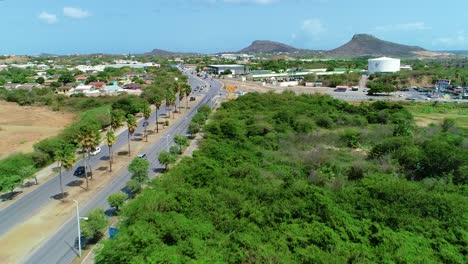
x: 22, y: 126
x: 15, y: 59
x: 26, y: 237
x: 255, y: 87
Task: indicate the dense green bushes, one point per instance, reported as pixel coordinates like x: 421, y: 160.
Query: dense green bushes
x: 263, y: 189
x: 10, y: 170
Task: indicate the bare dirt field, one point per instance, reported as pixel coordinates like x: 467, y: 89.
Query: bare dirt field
x: 15, y: 59
x: 22, y: 126
x: 255, y: 87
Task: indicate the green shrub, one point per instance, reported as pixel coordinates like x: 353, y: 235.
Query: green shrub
x: 324, y: 122
x: 351, y: 137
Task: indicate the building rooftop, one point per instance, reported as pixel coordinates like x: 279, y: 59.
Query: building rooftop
x: 227, y: 66
x: 383, y: 58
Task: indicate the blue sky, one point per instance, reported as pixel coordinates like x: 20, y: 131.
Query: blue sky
x: 133, y: 26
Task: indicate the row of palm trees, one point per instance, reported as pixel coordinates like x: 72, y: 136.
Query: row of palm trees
x: 157, y: 93
x: 88, y: 137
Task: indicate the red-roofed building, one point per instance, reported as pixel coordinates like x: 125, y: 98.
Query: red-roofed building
x: 97, y: 84
x: 81, y: 78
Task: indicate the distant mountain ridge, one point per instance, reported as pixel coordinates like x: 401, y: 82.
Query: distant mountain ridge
x: 359, y: 45
x: 364, y: 44
x: 165, y: 53
x: 267, y: 46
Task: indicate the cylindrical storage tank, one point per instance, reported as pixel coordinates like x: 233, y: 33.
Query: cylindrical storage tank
x: 383, y: 64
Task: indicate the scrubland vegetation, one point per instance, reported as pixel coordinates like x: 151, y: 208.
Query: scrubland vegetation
x: 281, y: 178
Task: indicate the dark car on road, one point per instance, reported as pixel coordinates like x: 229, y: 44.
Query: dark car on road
x: 341, y: 90
x: 80, y: 171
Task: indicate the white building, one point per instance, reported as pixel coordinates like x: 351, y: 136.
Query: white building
x: 88, y: 68
x: 83, y: 88
x: 383, y: 64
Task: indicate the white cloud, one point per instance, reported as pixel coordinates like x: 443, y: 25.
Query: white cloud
x: 75, y: 12
x: 312, y: 27
x: 48, y: 18
x: 457, y: 41
x: 415, y: 26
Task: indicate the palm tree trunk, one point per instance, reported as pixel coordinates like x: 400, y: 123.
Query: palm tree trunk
x: 60, y: 179
x: 90, y: 170
x: 85, y: 170
x: 110, y: 158
x: 128, y: 143
x: 178, y: 99
x: 146, y: 134
x: 157, y: 129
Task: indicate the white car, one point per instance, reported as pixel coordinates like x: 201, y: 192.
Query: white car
x: 95, y: 152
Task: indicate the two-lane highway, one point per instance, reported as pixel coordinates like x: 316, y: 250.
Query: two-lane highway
x: 28, y: 204
x: 61, y: 247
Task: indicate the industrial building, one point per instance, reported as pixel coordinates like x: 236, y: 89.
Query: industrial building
x: 234, y: 68
x: 262, y: 75
x: 384, y: 65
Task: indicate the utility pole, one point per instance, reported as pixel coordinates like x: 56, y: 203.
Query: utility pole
x: 79, y: 230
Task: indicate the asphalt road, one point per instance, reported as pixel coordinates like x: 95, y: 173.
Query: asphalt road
x: 61, y: 247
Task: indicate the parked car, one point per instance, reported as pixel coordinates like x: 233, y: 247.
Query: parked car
x: 80, y: 171
x: 95, y: 152
x: 142, y: 156
x: 411, y: 99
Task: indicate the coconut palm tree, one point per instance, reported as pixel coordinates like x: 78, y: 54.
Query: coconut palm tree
x: 177, y: 90
x: 181, y: 96
x: 154, y: 95
x: 117, y: 118
x: 131, y: 126
x: 170, y: 100
x: 188, y: 91
x: 157, y: 103
x: 146, y: 113
x: 110, y: 140
x: 86, y: 138
x: 95, y: 140
x: 65, y: 158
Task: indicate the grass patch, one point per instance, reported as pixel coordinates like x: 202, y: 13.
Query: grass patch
x: 427, y: 113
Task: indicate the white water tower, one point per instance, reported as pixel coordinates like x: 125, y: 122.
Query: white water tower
x: 383, y: 64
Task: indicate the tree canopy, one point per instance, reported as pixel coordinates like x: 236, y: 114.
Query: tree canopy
x: 269, y: 184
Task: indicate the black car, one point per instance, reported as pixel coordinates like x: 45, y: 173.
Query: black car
x: 80, y: 171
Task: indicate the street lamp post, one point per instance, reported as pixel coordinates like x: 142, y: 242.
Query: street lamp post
x: 79, y: 230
